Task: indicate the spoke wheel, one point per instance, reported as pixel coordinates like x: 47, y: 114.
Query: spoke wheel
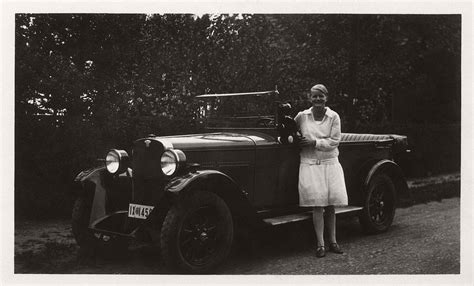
x: 197, y: 233
x: 198, y: 240
x: 379, y: 209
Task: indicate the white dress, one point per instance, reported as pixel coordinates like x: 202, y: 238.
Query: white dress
x: 321, y: 178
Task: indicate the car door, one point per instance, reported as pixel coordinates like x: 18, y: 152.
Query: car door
x: 276, y: 175
x: 288, y: 171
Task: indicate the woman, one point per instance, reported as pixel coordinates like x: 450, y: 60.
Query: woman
x: 321, y: 178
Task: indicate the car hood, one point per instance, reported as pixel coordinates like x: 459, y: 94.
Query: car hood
x: 218, y: 140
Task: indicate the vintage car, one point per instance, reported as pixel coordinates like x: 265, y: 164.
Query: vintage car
x: 190, y: 194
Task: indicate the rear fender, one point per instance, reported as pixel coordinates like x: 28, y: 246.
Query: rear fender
x: 220, y: 184
x: 394, y: 171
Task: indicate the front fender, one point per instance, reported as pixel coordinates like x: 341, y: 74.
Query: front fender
x: 220, y: 184
x: 178, y: 184
x: 104, y: 192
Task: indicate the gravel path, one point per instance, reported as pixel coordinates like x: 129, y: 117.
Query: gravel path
x: 424, y: 239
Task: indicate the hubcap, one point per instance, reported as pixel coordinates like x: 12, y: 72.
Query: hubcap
x: 198, y: 240
x: 378, y: 205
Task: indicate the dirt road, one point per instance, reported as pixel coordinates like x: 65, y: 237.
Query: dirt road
x: 424, y: 239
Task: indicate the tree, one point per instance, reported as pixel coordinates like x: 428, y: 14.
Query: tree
x: 96, y: 81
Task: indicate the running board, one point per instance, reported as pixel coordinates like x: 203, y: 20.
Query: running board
x: 306, y: 215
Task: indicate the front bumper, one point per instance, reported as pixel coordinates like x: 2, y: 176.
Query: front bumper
x: 115, y: 224
x: 118, y: 224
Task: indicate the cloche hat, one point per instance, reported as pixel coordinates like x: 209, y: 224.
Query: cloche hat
x: 321, y: 88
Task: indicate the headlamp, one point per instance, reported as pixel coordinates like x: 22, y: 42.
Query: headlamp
x: 171, y: 161
x: 117, y: 161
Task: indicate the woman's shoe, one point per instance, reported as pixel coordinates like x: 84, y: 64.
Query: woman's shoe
x: 334, y: 247
x: 320, y: 251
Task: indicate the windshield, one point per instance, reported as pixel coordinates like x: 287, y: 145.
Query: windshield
x: 239, y: 111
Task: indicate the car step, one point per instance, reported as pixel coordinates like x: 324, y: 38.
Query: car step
x: 306, y: 215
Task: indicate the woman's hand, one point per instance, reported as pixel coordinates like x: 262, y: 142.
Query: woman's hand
x: 307, y: 142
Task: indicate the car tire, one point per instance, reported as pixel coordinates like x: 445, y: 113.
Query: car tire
x: 197, y: 233
x: 379, y: 206
x: 85, y: 237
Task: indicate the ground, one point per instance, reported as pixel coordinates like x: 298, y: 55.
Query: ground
x: 424, y: 239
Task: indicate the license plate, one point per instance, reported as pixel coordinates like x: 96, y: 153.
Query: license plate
x: 139, y: 211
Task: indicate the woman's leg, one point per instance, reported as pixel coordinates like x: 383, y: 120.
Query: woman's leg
x: 330, y: 221
x: 330, y: 217
x: 318, y: 222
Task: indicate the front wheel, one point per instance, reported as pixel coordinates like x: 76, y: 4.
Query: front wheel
x: 379, y: 207
x: 197, y: 233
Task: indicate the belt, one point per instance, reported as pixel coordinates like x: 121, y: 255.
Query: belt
x: 330, y: 161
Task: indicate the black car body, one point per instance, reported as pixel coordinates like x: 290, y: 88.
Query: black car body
x: 229, y: 178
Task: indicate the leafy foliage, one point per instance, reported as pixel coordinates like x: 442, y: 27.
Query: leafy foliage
x: 88, y: 82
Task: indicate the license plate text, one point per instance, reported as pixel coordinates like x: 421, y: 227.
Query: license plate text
x: 139, y: 211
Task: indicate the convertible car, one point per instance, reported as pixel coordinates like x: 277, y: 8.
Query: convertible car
x: 190, y: 194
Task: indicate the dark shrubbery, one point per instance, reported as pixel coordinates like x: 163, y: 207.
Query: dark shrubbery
x: 85, y: 83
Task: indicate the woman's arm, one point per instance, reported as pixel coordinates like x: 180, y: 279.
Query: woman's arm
x: 297, y: 120
x: 330, y: 143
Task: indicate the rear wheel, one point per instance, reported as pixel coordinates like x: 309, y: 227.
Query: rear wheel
x: 379, y: 208
x: 197, y: 233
